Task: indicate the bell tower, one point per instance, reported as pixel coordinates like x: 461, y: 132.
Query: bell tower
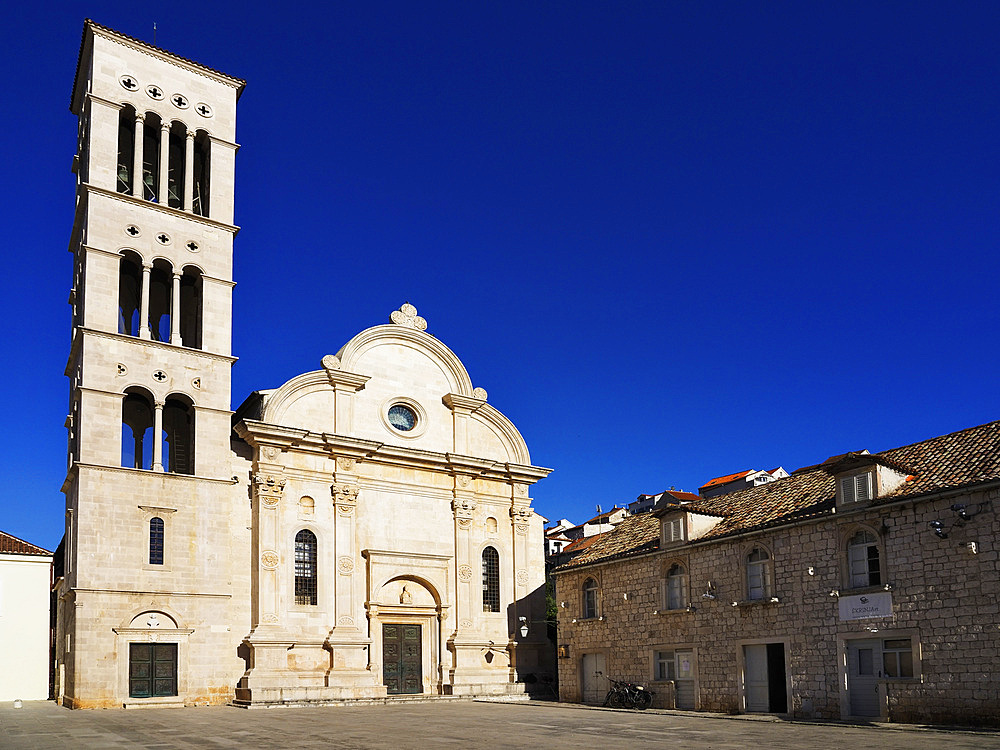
x: 149, y: 491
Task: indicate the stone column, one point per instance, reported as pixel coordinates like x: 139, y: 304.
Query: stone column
x: 464, y: 507
x: 158, y: 436
x: 164, y: 187
x: 344, y: 493
x: 189, y: 171
x: 267, y: 494
x: 140, y: 118
x: 175, y: 311
x: 144, y: 332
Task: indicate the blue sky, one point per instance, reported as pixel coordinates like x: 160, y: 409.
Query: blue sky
x: 672, y: 240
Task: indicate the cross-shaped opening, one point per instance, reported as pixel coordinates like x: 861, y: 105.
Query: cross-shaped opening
x: 128, y: 83
x: 159, y: 376
x: 180, y: 101
x: 203, y: 110
x: 192, y: 246
x: 164, y: 239
x: 155, y: 92
x: 133, y: 230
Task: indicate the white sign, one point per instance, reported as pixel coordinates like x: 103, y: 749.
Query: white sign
x: 865, y: 606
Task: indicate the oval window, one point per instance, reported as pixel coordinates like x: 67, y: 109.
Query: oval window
x: 403, y: 418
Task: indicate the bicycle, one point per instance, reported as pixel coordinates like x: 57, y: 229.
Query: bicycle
x: 623, y: 694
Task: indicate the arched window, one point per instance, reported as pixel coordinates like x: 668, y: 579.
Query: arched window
x: 305, y: 567
x: 676, y: 587
x: 175, y: 165
x: 589, y: 599
x: 202, y: 148
x: 137, y: 430
x: 160, y: 291
x: 129, y: 293
x: 863, y: 563
x: 178, y: 435
x: 758, y: 574
x: 190, y: 308
x: 126, y: 149
x: 156, y: 541
x: 491, y: 580
x: 150, y: 156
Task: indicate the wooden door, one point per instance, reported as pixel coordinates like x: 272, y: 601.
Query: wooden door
x: 864, y: 661
x: 402, y: 659
x: 595, y: 685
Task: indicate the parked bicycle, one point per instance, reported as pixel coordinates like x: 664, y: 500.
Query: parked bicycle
x: 628, y: 695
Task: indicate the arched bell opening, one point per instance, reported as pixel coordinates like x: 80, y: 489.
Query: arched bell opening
x: 137, y: 429
x: 178, y: 435
x: 129, y: 293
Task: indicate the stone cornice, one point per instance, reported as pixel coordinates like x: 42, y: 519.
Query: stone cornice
x: 73, y: 352
x: 260, y: 433
x: 86, y: 188
x: 79, y: 466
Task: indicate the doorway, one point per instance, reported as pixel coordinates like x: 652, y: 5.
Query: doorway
x: 592, y: 678
x: 863, y: 660
x: 152, y: 670
x: 764, y: 678
x: 402, y: 655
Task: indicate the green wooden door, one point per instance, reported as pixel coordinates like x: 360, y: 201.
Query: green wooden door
x: 401, y: 671
x: 152, y: 669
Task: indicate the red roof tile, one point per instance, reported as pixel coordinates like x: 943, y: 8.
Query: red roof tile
x: 723, y: 480
x: 965, y: 458
x: 11, y: 545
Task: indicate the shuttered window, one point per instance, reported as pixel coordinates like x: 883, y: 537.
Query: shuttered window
x: 856, y: 488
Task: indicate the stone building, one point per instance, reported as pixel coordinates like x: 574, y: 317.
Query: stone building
x: 363, y: 530
x: 866, y: 586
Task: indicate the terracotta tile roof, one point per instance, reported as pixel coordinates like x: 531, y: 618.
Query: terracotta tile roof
x: 723, y: 480
x: 965, y: 458
x: 584, y: 542
x: 11, y: 545
x: 682, y: 497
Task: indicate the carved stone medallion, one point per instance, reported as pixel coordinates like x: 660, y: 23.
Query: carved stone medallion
x: 270, y: 618
x: 479, y: 393
x: 346, y: 621
x: 345, y: 565
x: 465, y: 572
x: 330, y: 362
x: 465, y: 624
x: 269, y: 559
x: 522, y: 577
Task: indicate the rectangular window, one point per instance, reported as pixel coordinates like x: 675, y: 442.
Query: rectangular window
x: 856, y: 488
x: 897, y: 658
x: 673, y: 530
x: 665, y: 665
x: 152, y: 670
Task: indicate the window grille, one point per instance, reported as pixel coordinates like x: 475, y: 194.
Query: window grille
x: 491, y: 580
x: 305, y: 567
x: 156, y: 541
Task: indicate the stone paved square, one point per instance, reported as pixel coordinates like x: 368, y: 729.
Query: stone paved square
x: 43, y: 725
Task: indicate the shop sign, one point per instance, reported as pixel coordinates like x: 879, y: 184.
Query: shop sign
x: 865, y: 606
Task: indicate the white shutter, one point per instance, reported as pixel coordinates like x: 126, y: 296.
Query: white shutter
x: 863, y: 487
x: 847, y: 489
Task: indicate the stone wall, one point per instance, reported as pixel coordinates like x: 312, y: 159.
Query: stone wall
x: 944, y: 598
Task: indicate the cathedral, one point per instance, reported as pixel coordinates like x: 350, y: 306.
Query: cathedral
x: 364, y: 530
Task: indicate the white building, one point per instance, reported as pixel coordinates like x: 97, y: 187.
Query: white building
x: 363, y: 530
x: 25, y: 581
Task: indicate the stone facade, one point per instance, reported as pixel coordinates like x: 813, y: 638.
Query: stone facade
x: 265, y: 563
x: 943, y: 613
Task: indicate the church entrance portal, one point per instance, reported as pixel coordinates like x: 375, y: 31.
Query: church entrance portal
x: 401, y: 671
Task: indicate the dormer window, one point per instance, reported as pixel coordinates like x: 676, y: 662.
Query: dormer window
x: 674, y: 530
x: 856, y: 488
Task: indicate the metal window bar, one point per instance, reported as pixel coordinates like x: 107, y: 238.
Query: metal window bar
x: 305, y: 567
x: 491, y: 580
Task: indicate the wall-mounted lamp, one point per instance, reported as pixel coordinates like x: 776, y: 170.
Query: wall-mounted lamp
x: 938, y: 529
x: 573, y: 620
x: 656, y: 611
x: 562, y: 604
x: 775, y: 600
x: 690, y: 608
x: 601, y: 618
x: 973, y: 547
x: 710, y: 591
x: 523, y: 630
x: 834, y: 592
x: 625, y: 596
x: 871, y: 629
x: 735, y: 604
x: 887, y: 587
x: 964, y: 513
x: 811, y: 570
